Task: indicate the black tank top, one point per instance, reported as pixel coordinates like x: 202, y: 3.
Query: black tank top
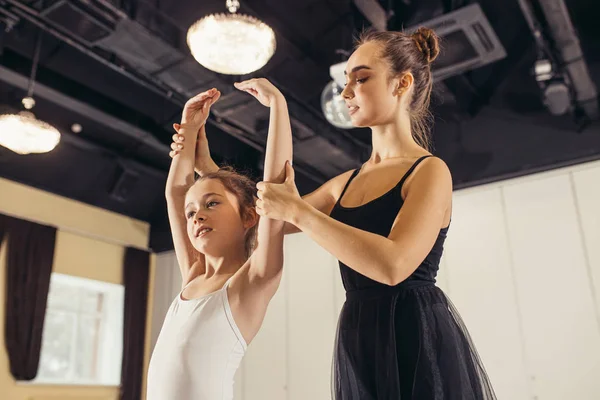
x: 377, y: 216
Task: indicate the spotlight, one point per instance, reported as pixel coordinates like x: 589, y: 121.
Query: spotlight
x: 556, y: 94
x: 76, y: 128
x: 557, y: 97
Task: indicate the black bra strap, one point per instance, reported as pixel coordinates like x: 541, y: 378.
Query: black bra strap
x: 410, y: 170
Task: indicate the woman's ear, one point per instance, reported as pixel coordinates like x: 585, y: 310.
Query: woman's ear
x: 404, y: 82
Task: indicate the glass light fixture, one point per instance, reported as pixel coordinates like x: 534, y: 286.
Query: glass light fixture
x: 23, y: 133
x: 232, y: 44
x: 334, y: 107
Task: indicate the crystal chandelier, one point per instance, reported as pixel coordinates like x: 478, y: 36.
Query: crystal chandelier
x: 23, y: 133
x: 232, y: 44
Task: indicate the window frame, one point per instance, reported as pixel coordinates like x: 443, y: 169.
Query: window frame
x: 109, y: 345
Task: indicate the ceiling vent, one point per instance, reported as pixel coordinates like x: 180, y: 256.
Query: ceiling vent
x: 468, y: 41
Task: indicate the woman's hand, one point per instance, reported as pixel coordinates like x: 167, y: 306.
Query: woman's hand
x: 203, y: 162
x: 261, y: 89
x: 279, y: 201
x: 196, y: 110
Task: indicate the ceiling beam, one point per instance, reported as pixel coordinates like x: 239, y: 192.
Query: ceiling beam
x: 17, y: 80
x: 374, y: 13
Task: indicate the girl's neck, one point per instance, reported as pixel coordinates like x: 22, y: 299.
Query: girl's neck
x: 225, y: 265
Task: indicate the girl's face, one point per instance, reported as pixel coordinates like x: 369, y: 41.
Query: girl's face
x: 370, y: 94
x: 214, y: 224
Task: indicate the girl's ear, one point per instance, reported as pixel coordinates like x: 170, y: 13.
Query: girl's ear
x: 250, y: 218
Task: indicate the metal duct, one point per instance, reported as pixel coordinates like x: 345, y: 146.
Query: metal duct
x: 567, y: 42
x: 570, y: 53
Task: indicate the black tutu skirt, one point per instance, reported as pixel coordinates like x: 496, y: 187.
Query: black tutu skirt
x: 405, y: 342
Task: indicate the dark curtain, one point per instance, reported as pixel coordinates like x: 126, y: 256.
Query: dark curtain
x: 3, y: 228
x: 136, y: 273
x: 30, y: 254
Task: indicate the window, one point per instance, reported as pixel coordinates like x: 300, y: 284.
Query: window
x: 82, y: 341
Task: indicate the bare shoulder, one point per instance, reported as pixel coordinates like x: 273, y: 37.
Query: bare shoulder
x: 436, y: 168
x: 432, y: 174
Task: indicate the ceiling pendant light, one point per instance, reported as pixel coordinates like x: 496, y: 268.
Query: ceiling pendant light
x: 232, y: 44
x: 23, y: 133
x: 334, y: 107
x: 333, y: 104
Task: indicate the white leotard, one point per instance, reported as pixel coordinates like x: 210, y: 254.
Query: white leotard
x: 198, y: 350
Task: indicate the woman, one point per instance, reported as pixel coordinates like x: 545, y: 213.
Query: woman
x: 228, y: 279
x: 399, y: 337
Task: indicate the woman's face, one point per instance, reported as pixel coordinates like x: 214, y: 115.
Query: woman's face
x: 371, y: 96
x: 214, y: 223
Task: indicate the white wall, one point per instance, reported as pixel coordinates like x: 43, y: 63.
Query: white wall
x: 520, y: 266
x: 524, y: 273
x: 167, y: 284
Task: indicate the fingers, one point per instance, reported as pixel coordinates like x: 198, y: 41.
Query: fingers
x: 255, y: 85
x: 261, y: 186
x: 214, y: 98
x: 207, y: 102
x: 247, y: 87
x: 200, y: 100
x: 203, y: 96
x: 259, y: 208
x: 249, y: 84
x: 289, y: 172
x: 252, y: 87
x: 176, y: 146
x: 260, y: 211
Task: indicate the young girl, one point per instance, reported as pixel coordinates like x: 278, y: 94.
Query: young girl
x: 399, y: 337
x: 228, y: 278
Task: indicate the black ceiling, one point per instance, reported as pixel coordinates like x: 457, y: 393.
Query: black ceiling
x: 124, y: 74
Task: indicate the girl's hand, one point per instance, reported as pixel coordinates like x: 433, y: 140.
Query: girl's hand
x: 196, y: 110
x: 261, y: 89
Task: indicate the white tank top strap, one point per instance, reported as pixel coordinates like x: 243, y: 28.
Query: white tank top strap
x: 229, y: 314
x: 228, y: 281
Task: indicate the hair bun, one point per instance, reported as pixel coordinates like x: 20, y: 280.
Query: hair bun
x: 427, y: 42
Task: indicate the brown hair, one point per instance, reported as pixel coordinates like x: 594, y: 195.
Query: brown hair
x: 244, y: 190
x: 412, y: 53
